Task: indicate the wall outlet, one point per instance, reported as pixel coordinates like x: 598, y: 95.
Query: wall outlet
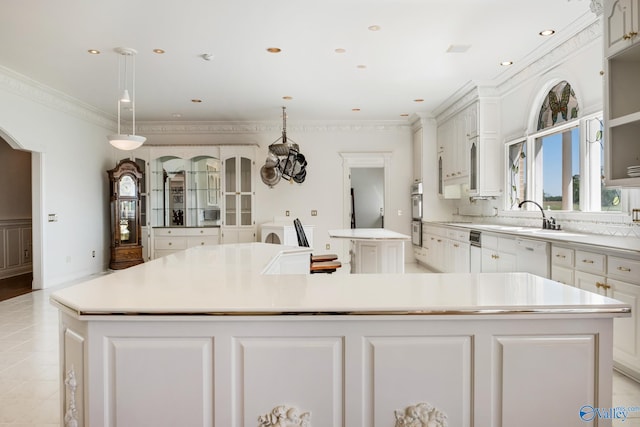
x: 53, y: 217
x: 314, y: 213
x: 286, y: 213
x: 327, y: 246
x: 399, y: 212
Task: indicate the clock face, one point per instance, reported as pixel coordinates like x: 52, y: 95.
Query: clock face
x: 127, y: 187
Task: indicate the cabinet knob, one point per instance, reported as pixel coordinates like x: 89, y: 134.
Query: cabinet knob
x: 169, y: 232
x: 170, y: 243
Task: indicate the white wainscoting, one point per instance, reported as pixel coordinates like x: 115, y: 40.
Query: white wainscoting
x: 15, y: 248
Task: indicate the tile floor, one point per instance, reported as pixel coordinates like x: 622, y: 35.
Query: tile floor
x: 29, y: 386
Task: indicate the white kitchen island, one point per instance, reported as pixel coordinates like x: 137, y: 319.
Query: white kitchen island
x: 374, y: 250
x: 204, y: 338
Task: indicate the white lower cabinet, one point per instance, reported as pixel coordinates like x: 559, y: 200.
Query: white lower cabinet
x: 590, y: 282
x: 15, y: 248
x: 170, y: 240
x: 498, y: 254
x: 447, y: 250
x: 617, y: 277
x: 337, y: 371
x: 562, y: 265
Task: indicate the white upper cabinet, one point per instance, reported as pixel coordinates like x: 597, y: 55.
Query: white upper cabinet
x: 622, y: 93
x: 621, y: 25
x: 470, y: 148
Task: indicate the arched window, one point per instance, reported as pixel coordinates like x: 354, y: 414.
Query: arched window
x: 560, y: 164
x: 560, y: 105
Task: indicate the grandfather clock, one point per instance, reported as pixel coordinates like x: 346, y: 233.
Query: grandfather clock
x: 126, y: 241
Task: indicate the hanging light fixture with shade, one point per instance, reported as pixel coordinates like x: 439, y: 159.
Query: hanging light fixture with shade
x: 125, y: 100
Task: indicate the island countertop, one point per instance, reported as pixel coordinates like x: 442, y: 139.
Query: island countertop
x: 228, y: 280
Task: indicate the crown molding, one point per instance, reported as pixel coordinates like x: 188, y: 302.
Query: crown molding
x: 213, y: 128
x: 554, y: 57
x: 23, y: 86
x: 581, y: 33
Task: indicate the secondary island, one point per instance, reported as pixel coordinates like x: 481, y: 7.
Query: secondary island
x: 240, y: 335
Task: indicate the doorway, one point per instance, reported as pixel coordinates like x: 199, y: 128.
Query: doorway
x: 16, y: 223
x: 357, y: 166
x: 367, y: 197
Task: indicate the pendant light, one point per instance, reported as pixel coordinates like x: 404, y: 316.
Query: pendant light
x: 120, y: 140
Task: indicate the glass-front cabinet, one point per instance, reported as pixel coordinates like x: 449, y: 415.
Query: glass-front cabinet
x: 186, y: 191
x: 238, y: 224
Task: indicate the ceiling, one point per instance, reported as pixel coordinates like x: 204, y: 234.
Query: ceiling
x: 405, y: 60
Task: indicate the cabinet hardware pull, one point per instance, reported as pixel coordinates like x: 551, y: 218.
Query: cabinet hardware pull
x: 560, y: 256
x: 621, y: 268
x: 455, y: 245
x: 494, y: 256
x: 439, y: 240
x: 587, y: 261
x: 602, y: 285
x: 629, y: 36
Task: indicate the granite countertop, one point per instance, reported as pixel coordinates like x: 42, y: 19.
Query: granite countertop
x: 228, y: 280
x: 603, y: 241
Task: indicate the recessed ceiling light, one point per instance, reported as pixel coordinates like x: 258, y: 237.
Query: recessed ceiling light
x: 196, y: 101
x: 340, y: 50
x: 94, y: 51
x: 418, y: 100
x: 355, y: 109
x: 545, y: 33
x: 287, y: 98
x: 158, y: 51
x: 361, y: 66
x: 374, y: 28
x: 274, y: 50
x: 506, y: 63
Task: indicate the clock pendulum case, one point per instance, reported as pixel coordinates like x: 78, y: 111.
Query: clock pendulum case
x: 126, y: 241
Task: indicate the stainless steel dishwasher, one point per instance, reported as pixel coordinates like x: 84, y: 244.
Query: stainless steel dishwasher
x: 532, y: 256
x: 475, y: 251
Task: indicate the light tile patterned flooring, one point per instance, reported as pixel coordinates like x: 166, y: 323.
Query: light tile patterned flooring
x: 29, y: 385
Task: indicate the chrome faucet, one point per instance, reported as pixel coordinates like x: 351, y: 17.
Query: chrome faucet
x: 545, y: 221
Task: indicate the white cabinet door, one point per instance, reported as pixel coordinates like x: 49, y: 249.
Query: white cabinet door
x: 562, y: 274
x: 625, y: 329
x: 589, y: 282
x: 459, y: 260
x: 404, y: 371
x: 538, y: 364
x: 621, y: 25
